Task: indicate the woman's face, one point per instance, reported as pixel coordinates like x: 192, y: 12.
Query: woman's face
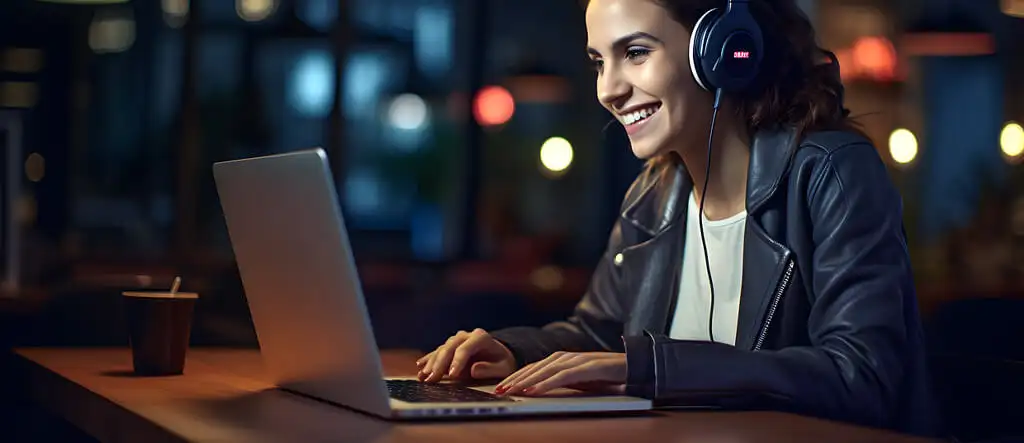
x: 643, y: 75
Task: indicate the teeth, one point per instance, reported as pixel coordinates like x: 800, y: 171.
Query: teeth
x: 637, y: 116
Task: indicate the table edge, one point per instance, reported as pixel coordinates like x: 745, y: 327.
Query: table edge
x: 74, y: 403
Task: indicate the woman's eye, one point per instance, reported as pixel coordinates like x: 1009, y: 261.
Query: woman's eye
x: 637, y: 53
x: 596, y: 65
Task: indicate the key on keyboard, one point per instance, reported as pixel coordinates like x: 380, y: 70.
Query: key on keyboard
x: 419, y: 392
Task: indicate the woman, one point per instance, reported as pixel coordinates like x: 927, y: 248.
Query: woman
x: 813, y: 307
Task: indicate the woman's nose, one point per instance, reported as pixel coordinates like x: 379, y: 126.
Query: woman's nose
x: 612, y: 89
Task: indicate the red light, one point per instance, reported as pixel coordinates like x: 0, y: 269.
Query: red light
x: 493, y: 106
x: 874, y: 57
x: 741, y: 54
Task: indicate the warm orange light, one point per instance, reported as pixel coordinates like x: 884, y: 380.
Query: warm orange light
x: 493, y: 106
x: 539, y: 89
x: 1013, y: 8
x: 949, y: 44
x: 847, y: 70
x: 875, y: 57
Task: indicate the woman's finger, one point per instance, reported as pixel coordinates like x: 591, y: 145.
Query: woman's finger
x: 586, y: 372
x: 425, y: 370
x: 549, y: 370
x: 466, y: 351
x: 420, y: 362
x: 525, y: 371
x: 443, y: 359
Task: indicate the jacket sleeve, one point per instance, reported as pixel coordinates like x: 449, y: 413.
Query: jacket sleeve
x: 861, y: 280
x: 596, y: 323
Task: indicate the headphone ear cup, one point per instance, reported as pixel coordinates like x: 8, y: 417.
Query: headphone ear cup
x: 730, y: 50
x: 698, y: 47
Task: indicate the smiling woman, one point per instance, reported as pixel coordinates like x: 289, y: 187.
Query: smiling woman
x: 783, y: 282
x: 795, y: 84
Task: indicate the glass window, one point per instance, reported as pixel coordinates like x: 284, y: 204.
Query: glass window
x: 166, y: 72
x: 220, y: 64
x: 374, y: 77
x: 318, y: 14
x: 433, y: 37
x: 221, y: 12
x: 296, y: 85
x: 122, y: 203
x: 310, y: 84
x: 268, y: 92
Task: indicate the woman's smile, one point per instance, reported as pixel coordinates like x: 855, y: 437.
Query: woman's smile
x: 636, y: 118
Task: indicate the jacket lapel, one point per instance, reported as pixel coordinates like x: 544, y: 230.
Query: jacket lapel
x: 764, y: 262
x: 764, y: 258
x: 652, y: 266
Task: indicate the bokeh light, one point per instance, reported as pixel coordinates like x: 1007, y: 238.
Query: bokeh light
x: 408, y: 112
x: 1011, y: 140
x: 875, y: 57
x: 493, y: 106
x: 556, y: 154
x: 903, y: 146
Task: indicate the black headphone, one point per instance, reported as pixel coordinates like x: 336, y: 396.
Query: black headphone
x: 726, y: 48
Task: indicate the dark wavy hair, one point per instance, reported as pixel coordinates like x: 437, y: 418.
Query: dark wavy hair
x: 798, y: 84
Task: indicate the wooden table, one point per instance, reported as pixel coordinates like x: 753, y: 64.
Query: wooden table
x: 223, y: 397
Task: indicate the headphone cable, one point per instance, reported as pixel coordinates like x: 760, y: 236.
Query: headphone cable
x: 700, y: 216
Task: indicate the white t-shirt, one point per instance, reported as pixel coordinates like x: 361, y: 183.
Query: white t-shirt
x: 725, y: 252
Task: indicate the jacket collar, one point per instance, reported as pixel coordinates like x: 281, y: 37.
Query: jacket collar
x: 662, y: 202
x: 770, y: 156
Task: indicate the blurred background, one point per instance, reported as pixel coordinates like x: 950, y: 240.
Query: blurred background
x: 477, y: 172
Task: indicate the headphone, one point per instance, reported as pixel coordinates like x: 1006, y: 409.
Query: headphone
x: 726, y: 49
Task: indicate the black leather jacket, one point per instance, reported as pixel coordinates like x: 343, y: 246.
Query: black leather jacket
x: 828, y: 318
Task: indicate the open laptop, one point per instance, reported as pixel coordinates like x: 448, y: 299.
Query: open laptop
x: 306, y: 301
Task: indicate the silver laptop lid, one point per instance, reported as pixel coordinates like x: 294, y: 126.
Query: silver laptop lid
x: 305, y: 298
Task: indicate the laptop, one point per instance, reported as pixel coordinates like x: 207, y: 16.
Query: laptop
x: 306, y: 301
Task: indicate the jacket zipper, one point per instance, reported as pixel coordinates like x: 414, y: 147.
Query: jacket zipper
x: 775, y: 303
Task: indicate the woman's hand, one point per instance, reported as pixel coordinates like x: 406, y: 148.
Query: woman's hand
x: 589, y: 371
x: 467, y: 355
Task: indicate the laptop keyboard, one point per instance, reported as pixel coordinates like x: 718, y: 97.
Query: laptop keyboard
x: 414, y: 391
